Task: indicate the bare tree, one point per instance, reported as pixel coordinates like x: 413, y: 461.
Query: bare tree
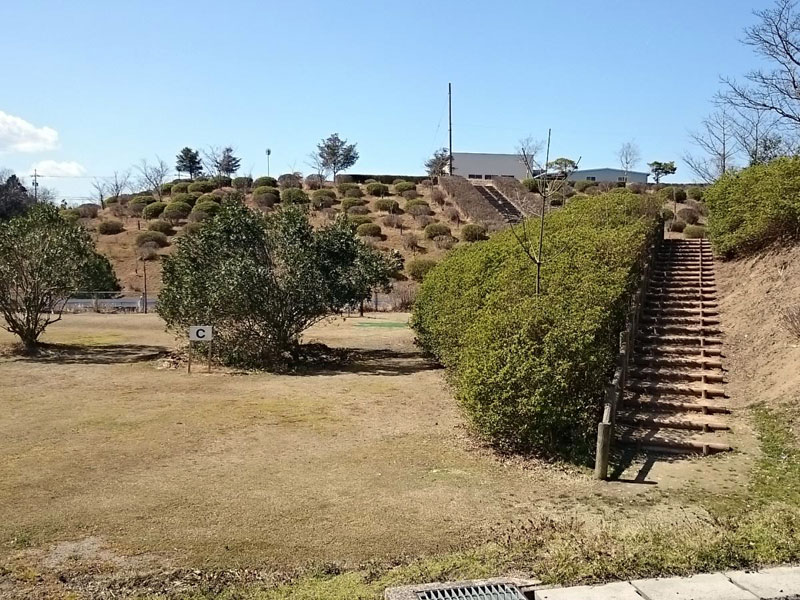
x: 717, y: 144
x: 629, y: 156
x: 533, y: 247
x: 758, y: 134
x: 118, y: 183
x: 316, y: 162
x: 101, y: 189
x: 776, y: 37
x: 153, y: 175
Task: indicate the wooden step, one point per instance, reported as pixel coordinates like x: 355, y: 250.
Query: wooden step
x: 665, y: 388
x: 685, y: 360
x: 667, y: 405
x: 655, y: 440
x: 635, y: 418
x: 658, y: 350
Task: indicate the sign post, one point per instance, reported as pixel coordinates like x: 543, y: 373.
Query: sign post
x: 200, y: 333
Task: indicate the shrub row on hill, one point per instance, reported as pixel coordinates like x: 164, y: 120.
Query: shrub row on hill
x: 470, y: 202
x: 530, y: 370
x: 755, y: 207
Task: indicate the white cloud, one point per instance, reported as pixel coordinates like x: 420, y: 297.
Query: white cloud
x: 17, y: 135
x: 54, y: 168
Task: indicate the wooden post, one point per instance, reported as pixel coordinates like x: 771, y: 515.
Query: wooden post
x: 209, y: 355
x: 602, y: 452
x: 189, y: 363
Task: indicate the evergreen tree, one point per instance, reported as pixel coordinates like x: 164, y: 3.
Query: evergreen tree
x: 188, y: 161
x: 336, y: 154
x: 228, y: 164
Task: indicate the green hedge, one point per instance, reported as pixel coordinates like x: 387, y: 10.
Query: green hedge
x: 204, y: 187
x: 154, y: 210
x: 755, y: 207
x: 266, y: 182
x: 530, y: 370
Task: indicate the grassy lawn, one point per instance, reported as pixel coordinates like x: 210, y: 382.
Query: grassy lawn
x: 335, y: 482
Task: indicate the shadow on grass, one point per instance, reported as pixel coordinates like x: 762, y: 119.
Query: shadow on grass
x: 318, y: 359
x: 107, y: 354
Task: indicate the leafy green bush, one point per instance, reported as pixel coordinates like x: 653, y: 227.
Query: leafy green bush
x: 434, y: 229
x: 189, y: 199
x: 689, y: 215
x: 265, y: 182
x: 672, y: 193
x: 354, y: 193
x: 154, y: 237
x: 208, y: 198
x: 404, y: 186
x: 349, y: 203
x: 410, y: 194
x: 264, y: 279
x: 437, y: 196
x: 143, y: 199
x: 166, y: 189
x: 291, y: 195
x: 418, y: 268
x: 694, y: 232
x: 175, y: 211
x: 677, y: 226
x: 444, y: 242
x: 636, y: 187
x: 154, y: 210
x: 110, y: 227
x: 667, y: 214
x: 387, y: 205
x: 369, y: 230
x: 345, y: 186
x: 580, y: 186
x: 418, y: 210
x: 473, y: 233
x: 324, y: 193
x: 266, y: 200
x: 315, y: 181
x: 378, y: 189
x: 530, y: 369
x: 209, y: 208
x: 357, y: 220
x: 358, y: 210
x: 530, y: 184
x: 700, y: 207
x: 290, y: 181
x: 221, y: 181
x: 242, y: 183
x: 265, y: 189
x: 161, y: 226
x: 204, y: 187
x: 695, y: 193
x: 180, y: 188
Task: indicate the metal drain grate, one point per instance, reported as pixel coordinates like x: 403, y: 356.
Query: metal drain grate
x: 492, y: 591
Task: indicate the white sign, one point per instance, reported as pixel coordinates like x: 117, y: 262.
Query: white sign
x: 201, y: 333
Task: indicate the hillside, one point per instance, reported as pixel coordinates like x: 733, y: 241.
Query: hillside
x: 396, y: 230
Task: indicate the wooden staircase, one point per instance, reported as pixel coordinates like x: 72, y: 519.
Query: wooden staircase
x: 674, y: 397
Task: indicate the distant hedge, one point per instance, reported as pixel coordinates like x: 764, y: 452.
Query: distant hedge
x: 387, y: 179
x: 204, y: 187
x: 291, y: 195
x: 530, y: 370
x: 242, y: 183
x: 265, y: 181
x: 750, y: 209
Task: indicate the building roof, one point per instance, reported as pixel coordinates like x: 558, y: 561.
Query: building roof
x: 611, y: 169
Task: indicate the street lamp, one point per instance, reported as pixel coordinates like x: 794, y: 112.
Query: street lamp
x: 269, y: 151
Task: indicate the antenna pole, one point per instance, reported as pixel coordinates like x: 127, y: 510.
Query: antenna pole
x: 35, y: 186
x: 450, y: 122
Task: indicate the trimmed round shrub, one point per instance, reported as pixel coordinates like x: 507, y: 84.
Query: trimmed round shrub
x: 290, y: 181
x: 88, y: 211
x: 680, y: 195
x: 404, y: 186
x: 387, y: 205
x: 434, y: 229
x: 694, y: 232
x: 369, y: 230
x: 162, y: 226
x: 191, y: 227
x: 147, y: 251
x: 344, y: 186
x: 473, y: 233
x: 419, y: 210
x: 204, y: 187
x: 209, y: 208
x: 110, y: 227
x: 581, y: 185
x: 532, y: 185
x: 315, y: 181
x: 444, y: 242
x: 266, y: 189
x: 377, y: 189
x: 180, y: 188
x: 689, y: 215
x: 370, y: 180
x: 416, y: 202
x: 70, y: 215
x: 349, y: 203
x: 357, y: 220
x: 423, y: 221
x: 358, y: 210
x: 175, y: 211
x: 437, y: 196
x: 354, y: 193
x: 695, y: 193
x: 451, y: 214
x: 266, y: 200
x: 410, y: 194
x: 197, y: 216
x: 324, y: 193
x: 394, y: 221
x: 398, y: 180
x: 209, y: 198
x: 242, y: 183
x: 667, y: 214
x: 265, y: 182
x: 292, y: 195
x: 112, y: 200
x: 221, y: 181
x: 155, y: 237
x: 592, y: 190
x: 677, y: 226
x: 636, y: 187
x: 154, y: 210
x: 556, y: 200
x: 698, y: 206
x: 321, y: 202
x: 166, y: 189
x: 143, y: 199
x: 189, y: 199
x: 418, y: 268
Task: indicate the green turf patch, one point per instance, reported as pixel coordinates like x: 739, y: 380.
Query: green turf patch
x: 387, y: 324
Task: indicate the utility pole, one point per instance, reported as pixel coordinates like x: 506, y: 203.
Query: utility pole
x: 35, y: 186
x: 144, y: 264
x: 269, y: 151
x: 450, y: 122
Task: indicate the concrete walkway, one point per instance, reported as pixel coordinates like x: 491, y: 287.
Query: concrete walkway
x: 767, y: 584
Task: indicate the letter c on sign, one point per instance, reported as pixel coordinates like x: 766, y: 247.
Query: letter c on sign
x: 200, y: 334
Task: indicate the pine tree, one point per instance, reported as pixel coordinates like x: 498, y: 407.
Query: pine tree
x: 228, y: 163
x: 336, y: 154
x: 188, y: 161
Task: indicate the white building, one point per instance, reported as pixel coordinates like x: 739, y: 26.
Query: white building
x: 477, y: 165
x: 608, y: 175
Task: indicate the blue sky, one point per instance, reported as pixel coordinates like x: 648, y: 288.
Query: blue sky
x: 94, y: 86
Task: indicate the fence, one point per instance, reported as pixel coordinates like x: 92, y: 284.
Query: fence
x: 108, y: 302
x: 615, y: 390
